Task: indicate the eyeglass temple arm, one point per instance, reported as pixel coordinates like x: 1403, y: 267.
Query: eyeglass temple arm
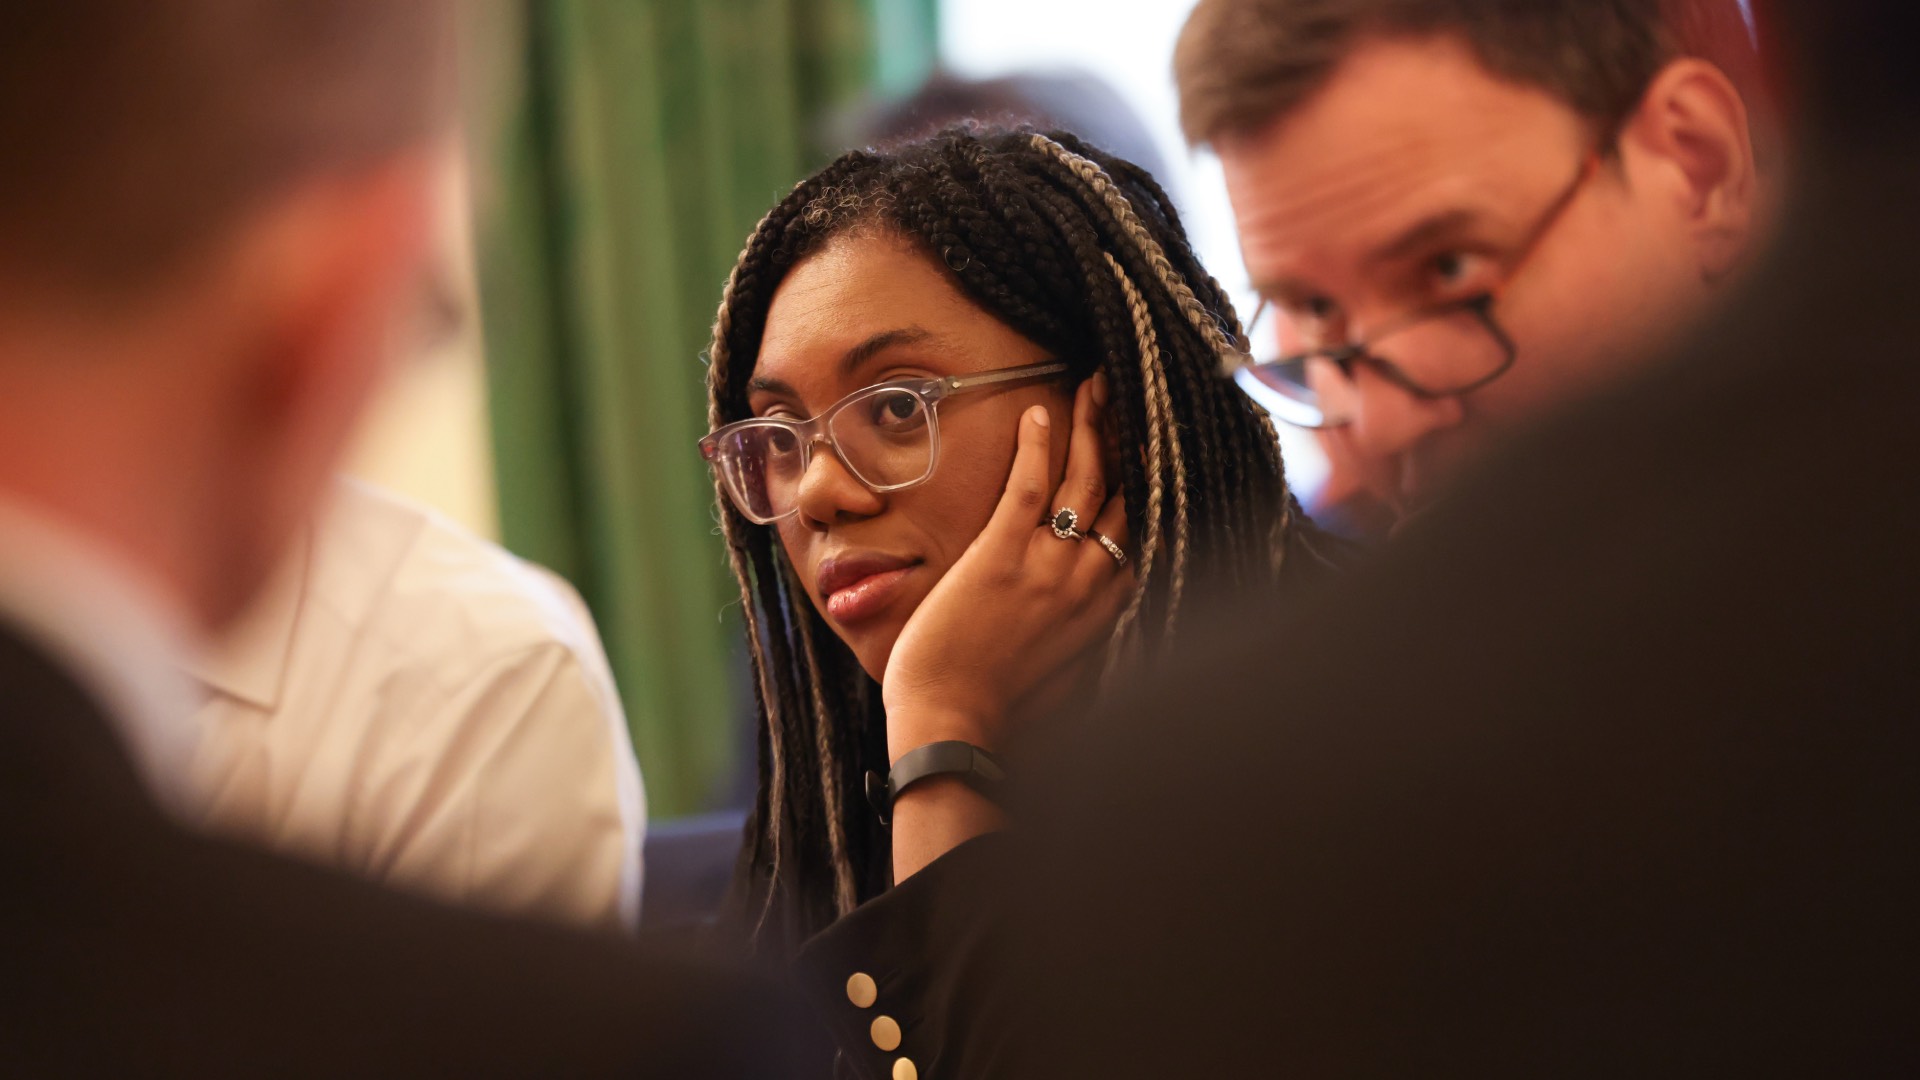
x: 1031, y: 371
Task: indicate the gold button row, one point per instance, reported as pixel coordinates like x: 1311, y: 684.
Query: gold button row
x: 863, y: 992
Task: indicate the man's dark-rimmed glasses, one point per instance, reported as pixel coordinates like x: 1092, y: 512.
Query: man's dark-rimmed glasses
x: 1439, y: 351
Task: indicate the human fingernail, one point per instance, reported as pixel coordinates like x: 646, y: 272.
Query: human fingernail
x: 1038, y: 414
x: 1100, y: 389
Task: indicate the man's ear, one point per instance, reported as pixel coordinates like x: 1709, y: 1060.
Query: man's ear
x: 1693, y: 121
x: 343, y: 263
x: 323, y: 278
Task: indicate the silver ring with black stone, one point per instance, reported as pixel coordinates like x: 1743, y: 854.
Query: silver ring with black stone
x: 1065, y: 524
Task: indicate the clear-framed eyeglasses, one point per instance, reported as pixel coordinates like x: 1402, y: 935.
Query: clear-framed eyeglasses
x: 887, y: 436
x: 1439, y: 351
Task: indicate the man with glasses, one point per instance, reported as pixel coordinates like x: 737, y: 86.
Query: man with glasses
x: 1459, y: 215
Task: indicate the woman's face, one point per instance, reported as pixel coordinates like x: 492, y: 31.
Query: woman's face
x: 868, y: 307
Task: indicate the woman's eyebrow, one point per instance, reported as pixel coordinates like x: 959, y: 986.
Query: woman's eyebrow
x: 852, y: 359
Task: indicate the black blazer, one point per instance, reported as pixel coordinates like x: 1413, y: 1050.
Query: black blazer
x: 129, y: 947
x: 1610, y: 767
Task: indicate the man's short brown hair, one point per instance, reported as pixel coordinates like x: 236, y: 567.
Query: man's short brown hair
x: 1242, y: 64
x: 133, y: 129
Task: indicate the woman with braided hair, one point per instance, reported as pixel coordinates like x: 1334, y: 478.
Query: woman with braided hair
x: 973, y: 448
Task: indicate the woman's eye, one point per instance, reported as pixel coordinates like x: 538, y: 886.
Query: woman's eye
x: 782, y: 441
x: 897, y: 412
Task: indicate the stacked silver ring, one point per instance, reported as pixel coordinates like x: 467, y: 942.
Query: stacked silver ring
x: 1113, y: 549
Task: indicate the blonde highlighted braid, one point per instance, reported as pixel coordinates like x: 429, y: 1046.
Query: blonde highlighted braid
x: 1082, y: 254
x: 1204, y: 321
x: 730, y: 525
x: 1160, y: 432
x: 831, y: 787
x: 1228, y: 343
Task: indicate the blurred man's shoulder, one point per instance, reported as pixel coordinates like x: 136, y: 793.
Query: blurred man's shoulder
x: 406, y: 573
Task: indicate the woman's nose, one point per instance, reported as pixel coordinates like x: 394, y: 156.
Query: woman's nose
x: 829, y: 493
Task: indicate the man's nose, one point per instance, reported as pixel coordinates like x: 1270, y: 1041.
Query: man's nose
x: 1389, y: 419
x: 830, y: 493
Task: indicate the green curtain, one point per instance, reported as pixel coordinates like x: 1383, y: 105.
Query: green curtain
x: 637, y: 143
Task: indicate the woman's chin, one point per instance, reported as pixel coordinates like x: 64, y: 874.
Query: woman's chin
x: 874, y: 662
x: 872, y: 647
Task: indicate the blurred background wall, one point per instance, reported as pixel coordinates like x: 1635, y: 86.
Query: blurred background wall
x: 620, y: 152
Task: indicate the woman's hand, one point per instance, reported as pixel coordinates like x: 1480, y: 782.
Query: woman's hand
x: 1023, y: 616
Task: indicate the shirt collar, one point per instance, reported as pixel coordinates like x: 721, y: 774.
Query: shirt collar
x: 116, y: 630
x: 250, y: 661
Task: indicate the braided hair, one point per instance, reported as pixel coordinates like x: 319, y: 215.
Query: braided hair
x: 1083, y: 254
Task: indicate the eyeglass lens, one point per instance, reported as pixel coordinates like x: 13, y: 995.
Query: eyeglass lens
x: 1443, y: 353
x: 885, y: 438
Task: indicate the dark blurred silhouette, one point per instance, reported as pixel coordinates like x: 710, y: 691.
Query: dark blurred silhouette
x: 215, y: 218
x: 1609, y: 769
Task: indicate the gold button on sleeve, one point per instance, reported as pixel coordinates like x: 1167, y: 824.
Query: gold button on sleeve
x: 905, y: 1069
x: 862, y: 991
x: 886, y: 1033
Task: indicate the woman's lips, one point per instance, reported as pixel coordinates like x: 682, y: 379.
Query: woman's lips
x: 859, y: 589
x: 866, y: 597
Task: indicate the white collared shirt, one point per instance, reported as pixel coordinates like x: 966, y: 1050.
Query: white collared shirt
x: 413, y: 704
x: 118, y: 634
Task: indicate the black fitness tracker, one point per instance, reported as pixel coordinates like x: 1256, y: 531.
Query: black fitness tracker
x: 979, y: 769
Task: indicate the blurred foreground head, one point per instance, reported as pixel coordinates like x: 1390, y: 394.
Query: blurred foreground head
x: 216, y: 217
